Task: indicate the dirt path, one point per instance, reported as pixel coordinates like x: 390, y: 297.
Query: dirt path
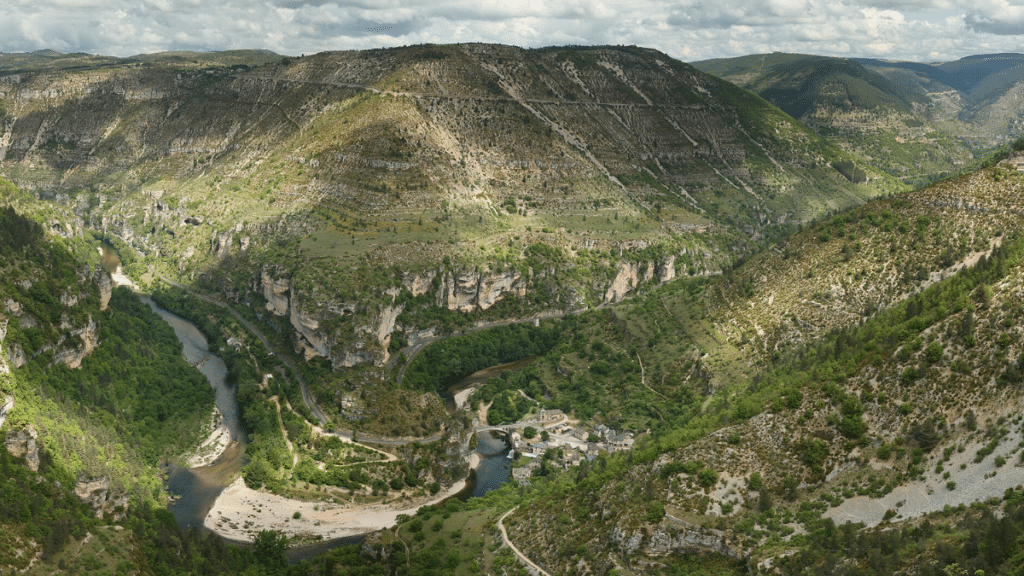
x: 284, y: 432
x: 522, y: 557
x: 307, y: 398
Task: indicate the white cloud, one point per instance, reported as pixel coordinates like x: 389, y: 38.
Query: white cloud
x: 691, y: 29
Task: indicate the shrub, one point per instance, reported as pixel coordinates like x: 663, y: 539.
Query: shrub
x: 707, y: 477
x: 884, y: 451
x: 655, y: 511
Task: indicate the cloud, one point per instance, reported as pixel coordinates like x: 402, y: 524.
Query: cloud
x: 688, y: 29
x: 996, y: 17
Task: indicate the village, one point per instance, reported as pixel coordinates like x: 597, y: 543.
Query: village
x: 550, y: 440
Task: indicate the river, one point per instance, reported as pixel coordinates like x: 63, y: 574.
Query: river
x: 197, y: 489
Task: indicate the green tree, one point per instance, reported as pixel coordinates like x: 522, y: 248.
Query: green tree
x: 268, y: 549
x: 655, y: 511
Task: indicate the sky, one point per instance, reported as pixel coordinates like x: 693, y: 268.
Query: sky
x: 690, y: 30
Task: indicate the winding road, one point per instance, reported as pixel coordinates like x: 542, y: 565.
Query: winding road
x: 306, y: 396
x: 522, y: 557
x: 412, y: 350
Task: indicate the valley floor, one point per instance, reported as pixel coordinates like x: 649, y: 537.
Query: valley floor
x: 241, y: 512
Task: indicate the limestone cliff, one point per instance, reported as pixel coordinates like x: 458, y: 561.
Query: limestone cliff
x: 7, y: 406
x: 83, y: 340
x: 22, y: 444
x: 672, y: 536
x: 350, y: 333
x: 470, y: 290
x: 106, y: 287
x: 101, y: 496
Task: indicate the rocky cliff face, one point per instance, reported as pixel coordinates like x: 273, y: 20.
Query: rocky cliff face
x: 672, y: 536
x: 98, y: 493
x: 363, y: 330
x: 76, y: 343
x: 22, y: 444
x: 5, y: 409
x: 467, y: 291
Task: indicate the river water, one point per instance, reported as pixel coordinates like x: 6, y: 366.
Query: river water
x: 197, y: 489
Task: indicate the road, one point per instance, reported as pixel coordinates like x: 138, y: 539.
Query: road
x: 306, y: 396
x: 413, y: 349
x: 522, y: 557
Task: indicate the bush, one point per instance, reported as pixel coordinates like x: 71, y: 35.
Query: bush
x: 297, y: 515
x: 655, y: 511
x: 707, y: 477
x: 884, y: 451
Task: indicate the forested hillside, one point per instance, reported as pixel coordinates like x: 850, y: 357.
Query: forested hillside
x: 771, y: 364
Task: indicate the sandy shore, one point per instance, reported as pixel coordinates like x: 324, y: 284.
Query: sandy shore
x: 462, y: 396
x: 211, y: 448
x: 240, y: 513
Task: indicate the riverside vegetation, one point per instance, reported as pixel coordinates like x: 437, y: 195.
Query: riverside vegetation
x: 863, y: 366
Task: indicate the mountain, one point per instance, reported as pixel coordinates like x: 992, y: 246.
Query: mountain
x: 918, y: 122
x: 978, y: 94
x: 364, y: 201
x: 833, y: 394
x: 864, y: 370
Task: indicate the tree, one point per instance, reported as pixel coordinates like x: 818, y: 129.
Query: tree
x: 655, y: 511
x: 529, y: 432
x: 268, y: 548
x: 707, y: 477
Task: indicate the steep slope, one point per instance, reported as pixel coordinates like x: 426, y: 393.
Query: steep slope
x: 86, y: 370
x: 867, y: 370
x: 365, y: 200
x: 903, y: 126
x: 974, y: 98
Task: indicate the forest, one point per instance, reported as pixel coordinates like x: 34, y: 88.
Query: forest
x: 137, y: 381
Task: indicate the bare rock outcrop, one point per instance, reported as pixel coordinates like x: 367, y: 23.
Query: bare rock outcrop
x: 418, y: 285
x: 311, y: 341
x: 7, y: 406
x: 626, y: 280
x: 673, y: 536
x: 467, y: 291
x: 72, y: 356
x: 106, y: 286
x: 22, y: 444
x: 275, y: 292
x: 97, y: 493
